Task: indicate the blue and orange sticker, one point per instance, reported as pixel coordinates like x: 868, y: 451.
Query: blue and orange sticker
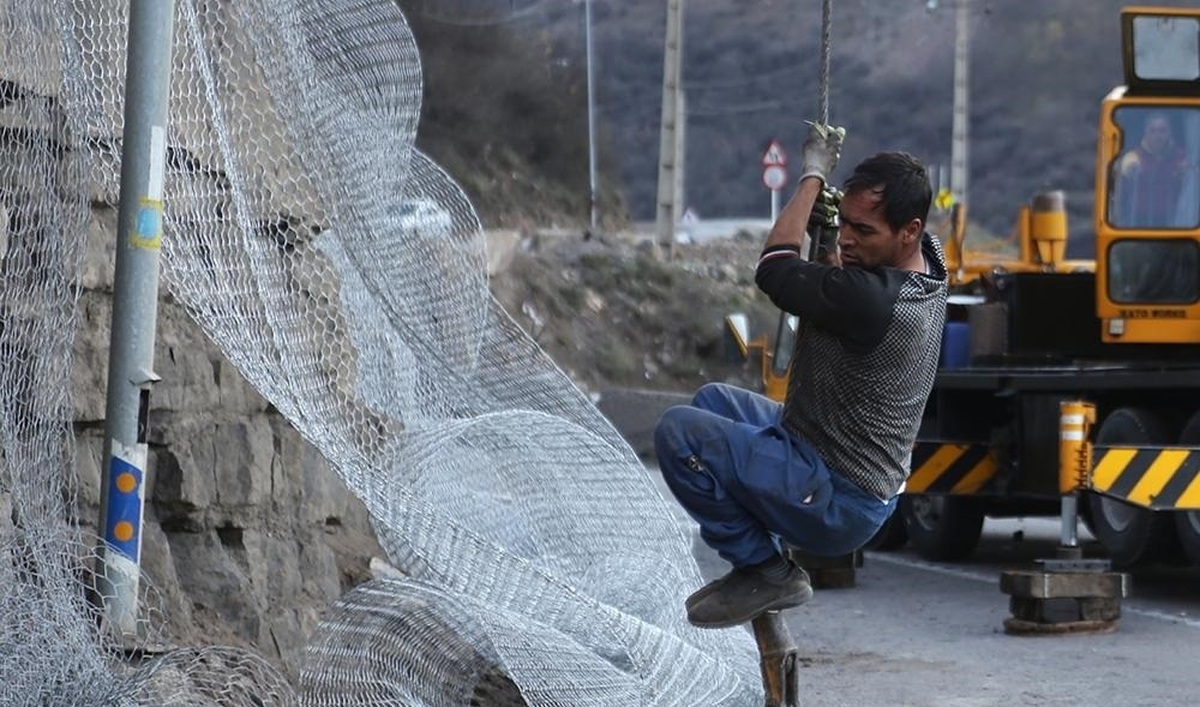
x: 123, y: 524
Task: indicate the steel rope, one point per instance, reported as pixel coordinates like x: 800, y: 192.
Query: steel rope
x: 826, y: 42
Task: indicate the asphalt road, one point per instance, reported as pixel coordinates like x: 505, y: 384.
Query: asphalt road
x: 912, y: 632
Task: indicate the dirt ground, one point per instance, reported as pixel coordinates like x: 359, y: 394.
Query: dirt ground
x: 613, y: 312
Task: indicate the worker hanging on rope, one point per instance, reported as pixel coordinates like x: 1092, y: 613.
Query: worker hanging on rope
x: 821, y: 471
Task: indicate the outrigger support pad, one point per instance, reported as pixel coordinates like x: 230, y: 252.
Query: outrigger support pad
x: 1066, y: 595
x: 779, y: 660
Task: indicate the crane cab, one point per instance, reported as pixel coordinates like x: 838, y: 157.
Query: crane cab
x: 1148, y: 184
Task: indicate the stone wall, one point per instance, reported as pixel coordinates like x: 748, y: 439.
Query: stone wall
x: 249, y: 533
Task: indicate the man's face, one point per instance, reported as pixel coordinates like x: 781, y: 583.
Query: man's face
x: 865, y: 239
x: 1158, y: 135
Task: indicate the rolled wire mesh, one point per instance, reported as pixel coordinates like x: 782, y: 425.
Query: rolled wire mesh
x: 343, y: 272
x: 211, y: 676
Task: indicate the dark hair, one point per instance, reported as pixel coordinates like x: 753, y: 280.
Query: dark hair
x: 901, y: 180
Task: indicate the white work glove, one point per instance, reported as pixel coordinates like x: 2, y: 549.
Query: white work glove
x: 821, y: 150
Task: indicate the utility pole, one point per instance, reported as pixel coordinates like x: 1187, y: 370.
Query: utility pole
x: 678, y: 197
x: 668, y: 138
x: 960, y: 129
x: 591, y: 100
x: 135, y: 311
x: 961, y: 126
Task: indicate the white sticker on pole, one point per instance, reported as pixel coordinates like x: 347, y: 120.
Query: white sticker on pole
x: 135, y: 454
x: 158, y: 159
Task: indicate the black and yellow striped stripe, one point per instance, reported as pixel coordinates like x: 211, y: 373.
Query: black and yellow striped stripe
x: 1152, y: 477
x: 940, y: 467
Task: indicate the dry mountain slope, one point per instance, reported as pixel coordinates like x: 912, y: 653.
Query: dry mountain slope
x: 612, y: 314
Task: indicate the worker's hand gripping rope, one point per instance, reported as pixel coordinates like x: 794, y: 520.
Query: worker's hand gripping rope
x: 822, y: 148
x: 825, y: 209
x: 823, y: 226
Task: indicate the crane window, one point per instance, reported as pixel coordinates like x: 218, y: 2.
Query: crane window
x: 1166, y: 48
x: 1160, y: 270
x: 1153, y: 182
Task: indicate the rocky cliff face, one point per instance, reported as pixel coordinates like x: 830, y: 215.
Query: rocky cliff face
x: 249, y: 533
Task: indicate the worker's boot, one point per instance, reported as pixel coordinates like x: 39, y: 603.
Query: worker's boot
x: 745, y: 593
x: 704, y: 591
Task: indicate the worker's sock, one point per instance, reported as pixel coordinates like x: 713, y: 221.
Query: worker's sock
x: 776, y: 570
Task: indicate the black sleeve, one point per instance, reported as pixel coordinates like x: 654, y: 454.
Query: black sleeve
x: 855, y: 304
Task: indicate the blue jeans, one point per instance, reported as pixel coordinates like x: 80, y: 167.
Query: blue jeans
x: 747, y: 481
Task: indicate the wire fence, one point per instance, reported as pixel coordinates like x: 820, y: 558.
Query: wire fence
x: 344, y: 274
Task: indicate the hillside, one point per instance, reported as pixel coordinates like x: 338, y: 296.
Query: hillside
x: 612, y: 314
x: 1038, y: 73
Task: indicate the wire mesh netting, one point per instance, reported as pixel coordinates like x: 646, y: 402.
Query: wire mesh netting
x: 344, y: 274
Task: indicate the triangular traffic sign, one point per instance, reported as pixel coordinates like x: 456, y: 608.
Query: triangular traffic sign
x: 774, y: 155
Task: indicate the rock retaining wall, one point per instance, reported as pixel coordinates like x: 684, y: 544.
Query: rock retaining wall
x: 249, y: 533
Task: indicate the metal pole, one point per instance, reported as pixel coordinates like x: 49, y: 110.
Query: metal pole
x: 135, y: 310
x: 667, y: 209
x: 778, y: 660
x: 1069, y: 531
x: 1074, y: 468
x: 960, y: 129
x: 592, y: 206
x: 680, y: 203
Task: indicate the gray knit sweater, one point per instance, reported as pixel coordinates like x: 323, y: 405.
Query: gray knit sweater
x: 865, y: 358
